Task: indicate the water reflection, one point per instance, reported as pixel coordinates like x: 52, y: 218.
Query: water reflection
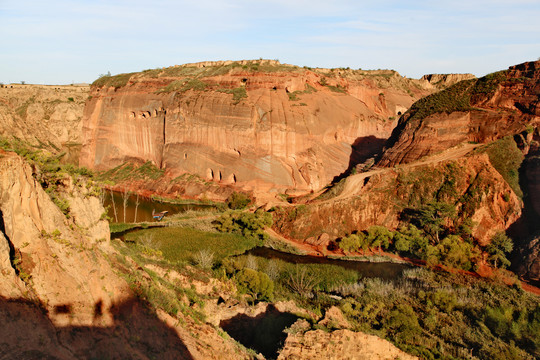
x: 142, y: 211
x: 383, y: 270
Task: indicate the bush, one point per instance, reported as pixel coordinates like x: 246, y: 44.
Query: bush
x: 204, y: 258
x: 238, y: 201
x: 255, y: 283
x: 403, y: 323
x: 246, y: 223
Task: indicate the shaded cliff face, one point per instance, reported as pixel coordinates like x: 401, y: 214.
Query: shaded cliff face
x: 258, y: 124
x: 476, y: 110
x: 44, y: 115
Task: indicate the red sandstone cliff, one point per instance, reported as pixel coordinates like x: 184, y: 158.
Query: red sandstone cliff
x: 476, y: 110
x: 260, y: 124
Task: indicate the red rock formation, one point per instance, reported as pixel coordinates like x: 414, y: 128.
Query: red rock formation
x: 445, y: 80
x: 477, y: 110
x: 378, y: 198
x: 259, y: 124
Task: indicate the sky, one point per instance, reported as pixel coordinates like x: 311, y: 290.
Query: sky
x: 63, y: 42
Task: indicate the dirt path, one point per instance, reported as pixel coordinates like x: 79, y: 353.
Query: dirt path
x: 354, y: 183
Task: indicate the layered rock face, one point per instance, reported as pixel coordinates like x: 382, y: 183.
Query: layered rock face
x: 60, y: 297
x: 445, y: 80
x: 476, y: 110
x: 44, y: 115
x: 52, y: 254
x: 258, y: 124
x: 378, y: 197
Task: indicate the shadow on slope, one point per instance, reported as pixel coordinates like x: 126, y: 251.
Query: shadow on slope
x: 137, y: 333
x: 263, y: 333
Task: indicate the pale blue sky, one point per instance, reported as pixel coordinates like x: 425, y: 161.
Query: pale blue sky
x: 61, y: 41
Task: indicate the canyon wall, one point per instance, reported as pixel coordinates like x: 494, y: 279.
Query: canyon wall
x: 476, y: 110
x: 48, y: 116
x: 258, y: 124
x: 380, y: 196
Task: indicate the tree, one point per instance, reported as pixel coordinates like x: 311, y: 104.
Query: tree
x: 350, y: 243
x: 114, y: 206
x: 125, y: 198
x: 432, y: 217
x: 379, y: 236
x: 500, y: 245
x: 137, y: 203
x: 255, y: 283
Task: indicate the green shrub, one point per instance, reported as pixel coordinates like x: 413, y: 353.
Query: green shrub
x: 497, y: 249
x: 403, y: 322
x: 506, y: 158
x: 237, y: 201
x: 246, y: 223
x: 255, y: 283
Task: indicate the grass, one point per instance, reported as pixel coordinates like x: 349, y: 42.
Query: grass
x: 238, y: 93
x: 116, y: 81
x: 185, y: 85
x: 506, y: 158
x: 181, y: 243
x: 133, y: 172
x: 457, y: 97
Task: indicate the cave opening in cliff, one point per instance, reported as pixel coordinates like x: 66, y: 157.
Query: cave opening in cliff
x: 263, y: 333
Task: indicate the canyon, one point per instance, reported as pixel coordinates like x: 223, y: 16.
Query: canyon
x: 327, y: 152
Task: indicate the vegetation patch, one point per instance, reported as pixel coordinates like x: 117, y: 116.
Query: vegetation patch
x: 180, y: 244
x: 238, y: 93
x: 455, y: 98
x: 116, y: 81
x: 146, y: 171
x: 506, y: 158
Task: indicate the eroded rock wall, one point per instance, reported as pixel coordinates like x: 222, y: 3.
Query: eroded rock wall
x: 44, y: 115
x: 378, y: 198
x: 289, y: 129
x: 478, y: 110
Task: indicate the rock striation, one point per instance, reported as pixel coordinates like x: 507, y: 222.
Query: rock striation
x: 443, y: 81
x: 378, y: 197
x: 256, y: 124
x: 475, y: 110
x: 47, y: 116
x: 60, y: 294
x: 52, y: 254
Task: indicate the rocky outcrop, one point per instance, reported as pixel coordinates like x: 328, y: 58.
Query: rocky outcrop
x: 529, y: 265
x: 477, y: 110
x: 443, y: 81
x: 44, y: 115
x: 339, y: 344
x: 378, y: 197
x: 61, y: 298
x: 51, y: 255
x: 256, y: 124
